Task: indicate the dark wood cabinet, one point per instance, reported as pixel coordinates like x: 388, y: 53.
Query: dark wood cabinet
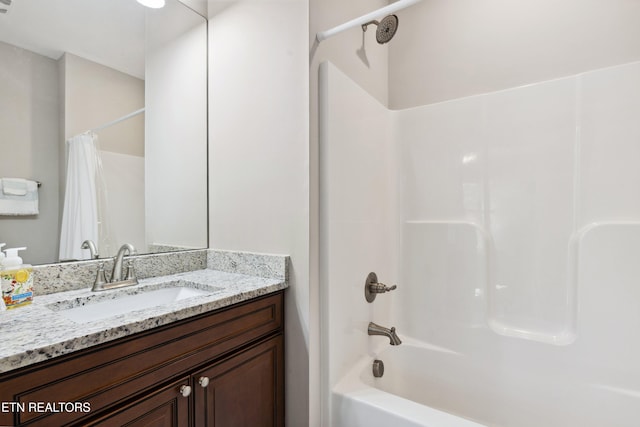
x: 165, y: 407
x: 242, y: 391
x: 156, y: 378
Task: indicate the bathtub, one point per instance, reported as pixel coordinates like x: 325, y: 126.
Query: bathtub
x: 359, y: 399
x: 430, y: 386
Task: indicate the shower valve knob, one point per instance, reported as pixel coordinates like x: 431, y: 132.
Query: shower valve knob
x: 372, y: 287
x: 380, y: 288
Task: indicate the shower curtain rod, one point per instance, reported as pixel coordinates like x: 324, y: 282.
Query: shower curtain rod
x: 383, y: 11
x: 116, y: 121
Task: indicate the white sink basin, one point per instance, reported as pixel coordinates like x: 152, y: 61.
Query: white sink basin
x: 106, y: 305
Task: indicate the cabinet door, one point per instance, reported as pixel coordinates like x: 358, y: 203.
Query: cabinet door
x: 246, y: 390
x: 166, y: 407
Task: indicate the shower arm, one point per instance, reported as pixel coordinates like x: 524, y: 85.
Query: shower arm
x: 366, y: 24
x: 365, y: 19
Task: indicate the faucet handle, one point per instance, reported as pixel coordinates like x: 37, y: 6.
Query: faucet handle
x: 380, y: 288
x: 372, y: 287
x: 131, y: 273
x: 101, y: 278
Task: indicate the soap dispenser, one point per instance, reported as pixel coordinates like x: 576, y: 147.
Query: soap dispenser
x: 16, y: 280
x: 3, y: 306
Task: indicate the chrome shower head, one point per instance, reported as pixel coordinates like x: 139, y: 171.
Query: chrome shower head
x: 386, y: 28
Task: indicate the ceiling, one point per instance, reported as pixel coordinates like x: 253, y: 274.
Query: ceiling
x: 109, y: 32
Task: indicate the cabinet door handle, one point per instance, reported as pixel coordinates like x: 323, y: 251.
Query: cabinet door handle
x: 185, y: 391
x: 203, y: 381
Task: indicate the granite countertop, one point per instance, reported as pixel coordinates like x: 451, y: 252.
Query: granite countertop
x: 38, y: 332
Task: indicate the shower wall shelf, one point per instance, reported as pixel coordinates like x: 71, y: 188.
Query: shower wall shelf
x: 394, y: 7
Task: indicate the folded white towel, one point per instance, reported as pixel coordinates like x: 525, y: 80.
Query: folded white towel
x: 14, y: 186
x: 18, y: 197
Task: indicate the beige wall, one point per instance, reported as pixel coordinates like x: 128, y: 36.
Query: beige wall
x: 355, y: 52
x: 455, y: 48
x: 29, y: 147
x: 199, y: 6
x: 365, y: 61
x: 258, y: 155
x: 95, y: 95
x: 176, y: 135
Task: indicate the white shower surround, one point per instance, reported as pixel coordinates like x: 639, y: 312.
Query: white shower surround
x: 510, y: 222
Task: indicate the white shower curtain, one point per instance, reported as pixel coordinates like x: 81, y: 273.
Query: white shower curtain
x: 80, y: 217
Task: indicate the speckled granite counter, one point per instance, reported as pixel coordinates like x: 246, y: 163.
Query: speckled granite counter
x: 36, y: 333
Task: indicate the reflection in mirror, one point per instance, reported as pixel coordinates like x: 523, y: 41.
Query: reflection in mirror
x: 104, y: 104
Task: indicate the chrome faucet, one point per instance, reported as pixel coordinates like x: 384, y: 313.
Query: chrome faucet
x: 88, y: 244
x: 380, y: 330
x: 116, y: 274
x: 117, y: 281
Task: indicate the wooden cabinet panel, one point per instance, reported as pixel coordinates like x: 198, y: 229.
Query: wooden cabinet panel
x: 107, y: 375
x: 164, y: 408
x: 245, y: 390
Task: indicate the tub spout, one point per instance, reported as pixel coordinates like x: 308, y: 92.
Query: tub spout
x: 389, y: 333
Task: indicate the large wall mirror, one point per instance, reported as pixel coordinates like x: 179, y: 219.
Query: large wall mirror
x: 104, y: 105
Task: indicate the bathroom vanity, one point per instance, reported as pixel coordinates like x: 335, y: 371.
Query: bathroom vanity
x: 210, y: 360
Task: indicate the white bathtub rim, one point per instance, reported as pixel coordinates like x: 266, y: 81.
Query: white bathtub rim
x: 408, y: 410
x: 359, y: 387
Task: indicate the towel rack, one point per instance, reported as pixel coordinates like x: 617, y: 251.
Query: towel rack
x: 38, y: 183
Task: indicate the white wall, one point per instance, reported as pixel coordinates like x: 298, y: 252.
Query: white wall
x: 453, y: 49
x: 514, y: 204
x: 497, y: 169
x: 175, y: 166
x: 358, y: 216
x: 259, y: 156
x: 450, y: 49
